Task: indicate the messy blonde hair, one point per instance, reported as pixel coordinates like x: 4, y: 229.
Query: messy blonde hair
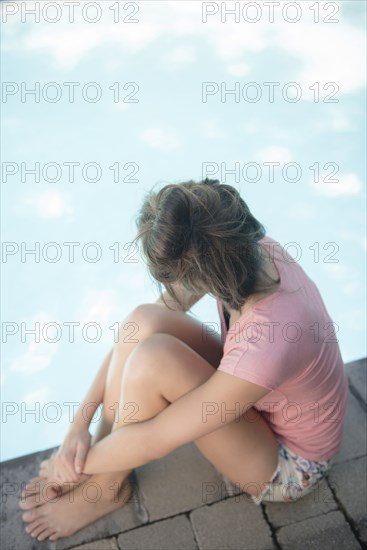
x: 203, y: 236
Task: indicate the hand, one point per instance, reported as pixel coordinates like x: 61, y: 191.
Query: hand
x: 47, y: 469
x: 66, y: 465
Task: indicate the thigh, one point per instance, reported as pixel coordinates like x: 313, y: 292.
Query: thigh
x: 148, y: 319
x: 198, y: 335
x: 163, y: 368
x: 164, y: 364
x: 160, y: 370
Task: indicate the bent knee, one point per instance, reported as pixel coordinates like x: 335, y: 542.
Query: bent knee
x: 150, y: 356
x: 143, y: 321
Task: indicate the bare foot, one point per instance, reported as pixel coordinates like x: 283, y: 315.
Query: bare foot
x: 43, y: 488
x: 40, y: 490
x: 47, y: 468
x: 72, y: 511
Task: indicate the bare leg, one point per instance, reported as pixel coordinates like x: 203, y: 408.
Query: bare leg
x: 160, y: 370
x: 147, y: 320
x: 163, y: 369
x: 41, y: 489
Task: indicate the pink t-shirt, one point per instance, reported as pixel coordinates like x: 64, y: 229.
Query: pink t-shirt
x: 287, y: 343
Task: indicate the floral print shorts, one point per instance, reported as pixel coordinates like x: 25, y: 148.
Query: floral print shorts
x: 293, y: 478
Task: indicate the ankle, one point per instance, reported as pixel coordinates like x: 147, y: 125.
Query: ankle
x: 109, y: 484
x: 116, y: 491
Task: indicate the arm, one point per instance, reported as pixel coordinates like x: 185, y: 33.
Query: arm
x: 70, y: 458
x: 188, y: 298
x: 197, y: 413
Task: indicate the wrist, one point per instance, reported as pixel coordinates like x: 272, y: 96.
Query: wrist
x: 83, y: 416
x: 78, y: 424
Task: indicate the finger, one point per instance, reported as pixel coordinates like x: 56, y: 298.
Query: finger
x: 83, y: 477
x: 70, y: 473
x: 80, y: 457
x: 66, y: 475
x: 64, y: 470
x: 43, y: 469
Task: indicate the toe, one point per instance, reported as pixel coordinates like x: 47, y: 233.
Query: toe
x: 55, y: 535
x: 31, y: 515
x: 30, y: 502
x: 37, y: 530
x: 46, y: 533
x: 32, y: 526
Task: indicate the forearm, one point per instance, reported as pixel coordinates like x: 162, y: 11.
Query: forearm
x: 93, y: 398
x: 125, y: 448
x: 188, y: 299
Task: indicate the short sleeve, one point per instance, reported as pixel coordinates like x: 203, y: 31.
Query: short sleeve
x: 259, y: 359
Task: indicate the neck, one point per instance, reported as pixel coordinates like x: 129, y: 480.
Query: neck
x: 268, y: 282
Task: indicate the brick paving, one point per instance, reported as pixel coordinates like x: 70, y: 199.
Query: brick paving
x: 181, y: 502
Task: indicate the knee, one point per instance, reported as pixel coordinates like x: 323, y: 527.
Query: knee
x: 142, y: 321
x: 149, y: 357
